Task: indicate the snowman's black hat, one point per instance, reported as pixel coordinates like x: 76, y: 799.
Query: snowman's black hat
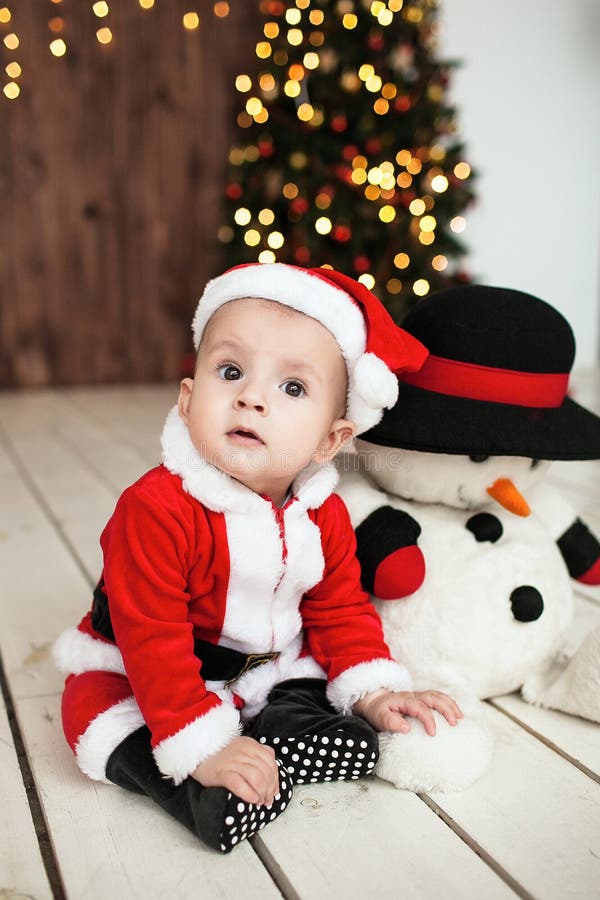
x: 495, y: 382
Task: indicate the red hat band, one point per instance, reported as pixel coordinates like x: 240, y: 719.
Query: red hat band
x: 470, y: 381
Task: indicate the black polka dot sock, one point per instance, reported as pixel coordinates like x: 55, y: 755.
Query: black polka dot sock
x: 327, y: 757
x: 241, y: 819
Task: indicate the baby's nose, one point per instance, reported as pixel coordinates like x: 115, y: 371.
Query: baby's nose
x: 251, y: 398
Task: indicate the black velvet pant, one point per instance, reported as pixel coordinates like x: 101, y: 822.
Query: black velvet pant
x: 312, y: 743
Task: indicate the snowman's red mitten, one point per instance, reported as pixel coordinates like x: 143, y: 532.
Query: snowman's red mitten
x: 581, y: 553
x: 391, y: 562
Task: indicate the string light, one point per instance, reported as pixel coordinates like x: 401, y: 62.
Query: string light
x: 253, y: 106
x: 271, y: 30
x: 221, y: 9
x: 263, y: 49
x: 387, y: 214
x: 275, y: 240
x: 439, y: 262
x: 305, y: 112
x: 146, y: 4
x: 242, y: 216
x: 427, y: 223
x: 266, y: 256
x: 56, y: 24
x: 295, y: 37
x: 58, y: 47
x: 402, y: 260
x: 266, y: 217
x: 11, y: 41
x: 421, y: 287
x: 417, y: 207
x: 243, y: 83
x: 104, y: 35
x: 13, y: 70
x: 458, y: 224
x: 323, y: 225
x: 394, y: 286
x: 439, y: 183
x: 11, y: 90
x: 368, y: 280
x: 350, y: 21
x: 293, y: 16
x: 316, y: 17
x: 191, y: 21
x: 4, y: 15
x: 359, y: 176
x: 292, y: 88
x: 252, y: 237
x: 462, y: 170
x: 100, y: 9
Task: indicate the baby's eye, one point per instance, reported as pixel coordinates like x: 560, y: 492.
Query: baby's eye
x: 293, y: 388
x: 229, y: 372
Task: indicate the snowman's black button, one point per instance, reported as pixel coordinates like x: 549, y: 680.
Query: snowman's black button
x: 527, y: 603
x: 485, y: 527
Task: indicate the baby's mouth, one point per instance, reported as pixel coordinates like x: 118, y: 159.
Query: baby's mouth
x: 245, y: 436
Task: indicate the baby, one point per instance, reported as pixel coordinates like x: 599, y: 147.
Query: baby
x: 230, y: 651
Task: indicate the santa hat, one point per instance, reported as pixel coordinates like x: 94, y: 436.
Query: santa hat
x: 373, y: 346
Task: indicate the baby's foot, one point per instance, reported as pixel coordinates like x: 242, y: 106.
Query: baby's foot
x: 230, y: 820
x: 325, y: 757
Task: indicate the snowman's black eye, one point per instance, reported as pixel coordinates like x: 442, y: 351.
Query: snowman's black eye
x: 535, y: 463
x: 478, y: 457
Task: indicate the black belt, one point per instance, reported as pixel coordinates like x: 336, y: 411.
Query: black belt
x: 224, y: 664
x: 218, y: 663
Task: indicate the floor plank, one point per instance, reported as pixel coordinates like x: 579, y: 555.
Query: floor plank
x: 22, y: 872
x: 42, y: 586
x: 366, y: 839
x: 535, y: 814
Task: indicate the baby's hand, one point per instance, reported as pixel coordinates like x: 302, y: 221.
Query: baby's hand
x: 385, y: 710
x: 245, y: 767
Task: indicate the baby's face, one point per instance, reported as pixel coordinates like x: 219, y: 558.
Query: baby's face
x: 268, y: 394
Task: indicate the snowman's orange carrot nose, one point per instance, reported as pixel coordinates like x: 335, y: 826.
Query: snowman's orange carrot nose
x: 505, y: 493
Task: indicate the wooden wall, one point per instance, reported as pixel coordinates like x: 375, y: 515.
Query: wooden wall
x: 112, y: 167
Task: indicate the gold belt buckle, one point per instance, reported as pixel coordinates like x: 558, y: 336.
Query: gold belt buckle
x: 253, y: 660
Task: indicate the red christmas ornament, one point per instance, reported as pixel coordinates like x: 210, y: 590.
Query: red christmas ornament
x: 362, y: 264
x: 302, y: 255
x: 299, y: 206
x: 376, y: 41
x: 349, y: 152
x: 328, y: 189
x: 339, y: 123
x: 233, y: 191
x: 341, y: 233
x: 373, y: 145
x: 265, y: 148
x: 402, y: 103
x: 407, y: 197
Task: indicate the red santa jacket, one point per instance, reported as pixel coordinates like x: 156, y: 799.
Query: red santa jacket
x: 191, y: 553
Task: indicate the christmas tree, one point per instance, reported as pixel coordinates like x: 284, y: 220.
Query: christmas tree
x: 347, y: 153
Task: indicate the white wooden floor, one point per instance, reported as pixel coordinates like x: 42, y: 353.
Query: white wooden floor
x: 530, y: 828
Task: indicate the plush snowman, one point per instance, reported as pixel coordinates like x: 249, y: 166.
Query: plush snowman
x: 467, y: 551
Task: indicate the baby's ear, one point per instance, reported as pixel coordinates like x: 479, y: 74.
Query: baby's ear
x: 340, y: 434
x: 185, y: 397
